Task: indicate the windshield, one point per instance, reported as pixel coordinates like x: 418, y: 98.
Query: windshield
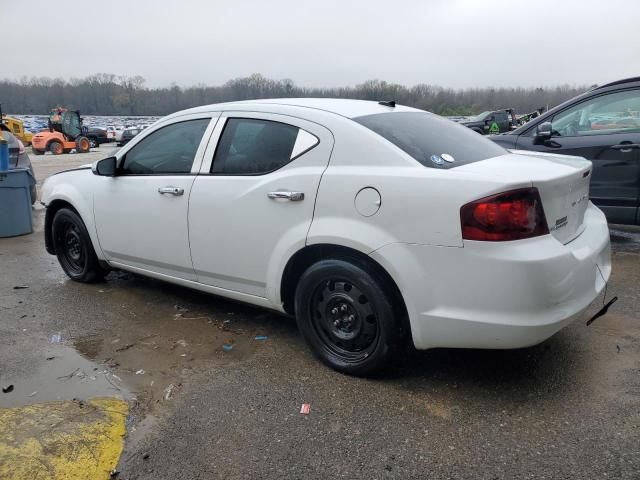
x: 432, y: 140
x: 480, y: 117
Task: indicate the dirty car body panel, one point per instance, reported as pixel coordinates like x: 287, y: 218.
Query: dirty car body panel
x: 257, y: 183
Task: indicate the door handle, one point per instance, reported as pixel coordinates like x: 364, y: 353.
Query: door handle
x: 177, y: 191
x: 292, y: 196
x: 625, y: 147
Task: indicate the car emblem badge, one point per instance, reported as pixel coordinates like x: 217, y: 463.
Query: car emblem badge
x: 447, y: 158
x: 437, y: 160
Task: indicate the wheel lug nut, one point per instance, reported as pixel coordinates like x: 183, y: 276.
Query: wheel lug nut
x: 343, y: 307
x: 336, y: 323
x: 334, y: 311
x: 351, y: 318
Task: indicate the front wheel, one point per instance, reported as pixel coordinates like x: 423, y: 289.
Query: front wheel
x: 56, y: 148
x: 347, y: 317
x: 73, y: 247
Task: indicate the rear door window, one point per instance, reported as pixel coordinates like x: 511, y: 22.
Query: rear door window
x: 433, y: 141
x: 250, y: 146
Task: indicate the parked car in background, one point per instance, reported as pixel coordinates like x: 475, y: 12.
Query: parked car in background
x: 601, y: 125
x: 19, y: 158
x: 97, y: 136
x: 491, y: 123
x: 371, y: 223
x: 111, y: 133
x: 128, y: 134
x: 119, y: 130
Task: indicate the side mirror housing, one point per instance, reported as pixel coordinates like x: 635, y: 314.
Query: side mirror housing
x: 107, y: 167
x: 544, y: 131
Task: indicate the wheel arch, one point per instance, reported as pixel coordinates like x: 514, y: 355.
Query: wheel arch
x: 52, y: 209
x: 64, y: 196
x: 310, y: 254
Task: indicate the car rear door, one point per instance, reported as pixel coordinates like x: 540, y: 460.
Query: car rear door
x: 252, y: 205
x: 606, y: 130
x: 141, y: 214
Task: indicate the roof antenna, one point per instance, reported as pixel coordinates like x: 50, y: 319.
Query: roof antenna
x: 388, y: 103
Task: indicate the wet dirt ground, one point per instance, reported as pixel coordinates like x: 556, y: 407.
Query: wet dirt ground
x: 210, y: 397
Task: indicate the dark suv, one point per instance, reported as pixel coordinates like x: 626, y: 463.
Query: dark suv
x: 602, y: 125
x: 491, y: 123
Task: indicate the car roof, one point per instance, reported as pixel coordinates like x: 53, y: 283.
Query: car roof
x: 339, y: 106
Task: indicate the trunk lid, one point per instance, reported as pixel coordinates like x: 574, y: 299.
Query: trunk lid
x: 561, y: 180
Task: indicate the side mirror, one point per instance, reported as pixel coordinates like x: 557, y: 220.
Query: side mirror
x: 105, y: 167
x: 544, y: 131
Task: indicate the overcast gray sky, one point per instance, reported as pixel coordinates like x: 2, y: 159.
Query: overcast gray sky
x: 453, y: 43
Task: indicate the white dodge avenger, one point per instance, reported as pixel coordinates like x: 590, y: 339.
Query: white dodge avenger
x: 372, y: 223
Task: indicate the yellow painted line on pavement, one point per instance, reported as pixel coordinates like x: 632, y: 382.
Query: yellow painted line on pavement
x: 62, y: 440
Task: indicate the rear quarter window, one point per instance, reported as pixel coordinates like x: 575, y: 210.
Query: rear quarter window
x: 433, y: 141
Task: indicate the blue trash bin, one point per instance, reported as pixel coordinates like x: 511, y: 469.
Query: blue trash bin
x: 15, y: 202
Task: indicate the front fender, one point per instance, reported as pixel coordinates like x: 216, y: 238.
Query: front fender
x: 72, y: 188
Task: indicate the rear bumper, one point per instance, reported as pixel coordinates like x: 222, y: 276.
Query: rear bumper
x: 503, y: 294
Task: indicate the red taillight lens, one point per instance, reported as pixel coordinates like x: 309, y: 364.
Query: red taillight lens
x: 511, y: 215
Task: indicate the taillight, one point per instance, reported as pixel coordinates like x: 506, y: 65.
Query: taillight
x: 511, y: 215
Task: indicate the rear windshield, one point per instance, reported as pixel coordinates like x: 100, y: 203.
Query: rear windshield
x: 432, y: 140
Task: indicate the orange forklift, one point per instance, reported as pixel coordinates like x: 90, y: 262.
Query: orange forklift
x: 65, y: 133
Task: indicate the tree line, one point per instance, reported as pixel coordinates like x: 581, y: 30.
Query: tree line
x: 108, y: 94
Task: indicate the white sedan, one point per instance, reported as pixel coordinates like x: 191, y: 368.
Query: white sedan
x: 372, y: 223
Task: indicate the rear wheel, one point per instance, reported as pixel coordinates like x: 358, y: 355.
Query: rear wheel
x: 56, y: 148
x: 347, y: 317
x: 83, y: 145
x: 73, y: 247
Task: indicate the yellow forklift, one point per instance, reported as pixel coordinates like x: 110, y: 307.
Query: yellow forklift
x: 16, y: 127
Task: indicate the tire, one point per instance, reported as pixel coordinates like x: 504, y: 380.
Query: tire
x: 83, y: 145
x: 93, y: 142
x: 347, y: 317
x: 36, y: 151
x: 73, y: 247
x: 56, y: 148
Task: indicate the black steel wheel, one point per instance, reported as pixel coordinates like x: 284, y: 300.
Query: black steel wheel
x: 347, y: 317
x: 73, y: 247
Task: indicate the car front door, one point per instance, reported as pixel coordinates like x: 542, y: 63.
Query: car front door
x: 141, y: 213
x: 253, y: 202
x: 606, y: 130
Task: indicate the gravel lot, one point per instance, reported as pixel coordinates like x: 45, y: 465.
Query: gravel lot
x: 568, y: 408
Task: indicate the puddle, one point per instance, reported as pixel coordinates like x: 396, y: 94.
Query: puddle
x: 67, y: 375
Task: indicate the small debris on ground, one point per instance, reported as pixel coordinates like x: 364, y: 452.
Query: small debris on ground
x: 140, y: 372
x: 32, y: 394
x: 20, y: 287
x: 168, y: 391
x: 55, y: 338
x: 114, y: 473
x: 7, y: 389
x: 145, y: 456
x: 227, y: 347
x: 261, y: 337
x: 125, y: 347
x: 50, y: 358
x: 305, y: 408
x: 180, y: 308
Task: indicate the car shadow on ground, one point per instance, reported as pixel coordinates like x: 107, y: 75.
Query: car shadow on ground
x: 551, y: 367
